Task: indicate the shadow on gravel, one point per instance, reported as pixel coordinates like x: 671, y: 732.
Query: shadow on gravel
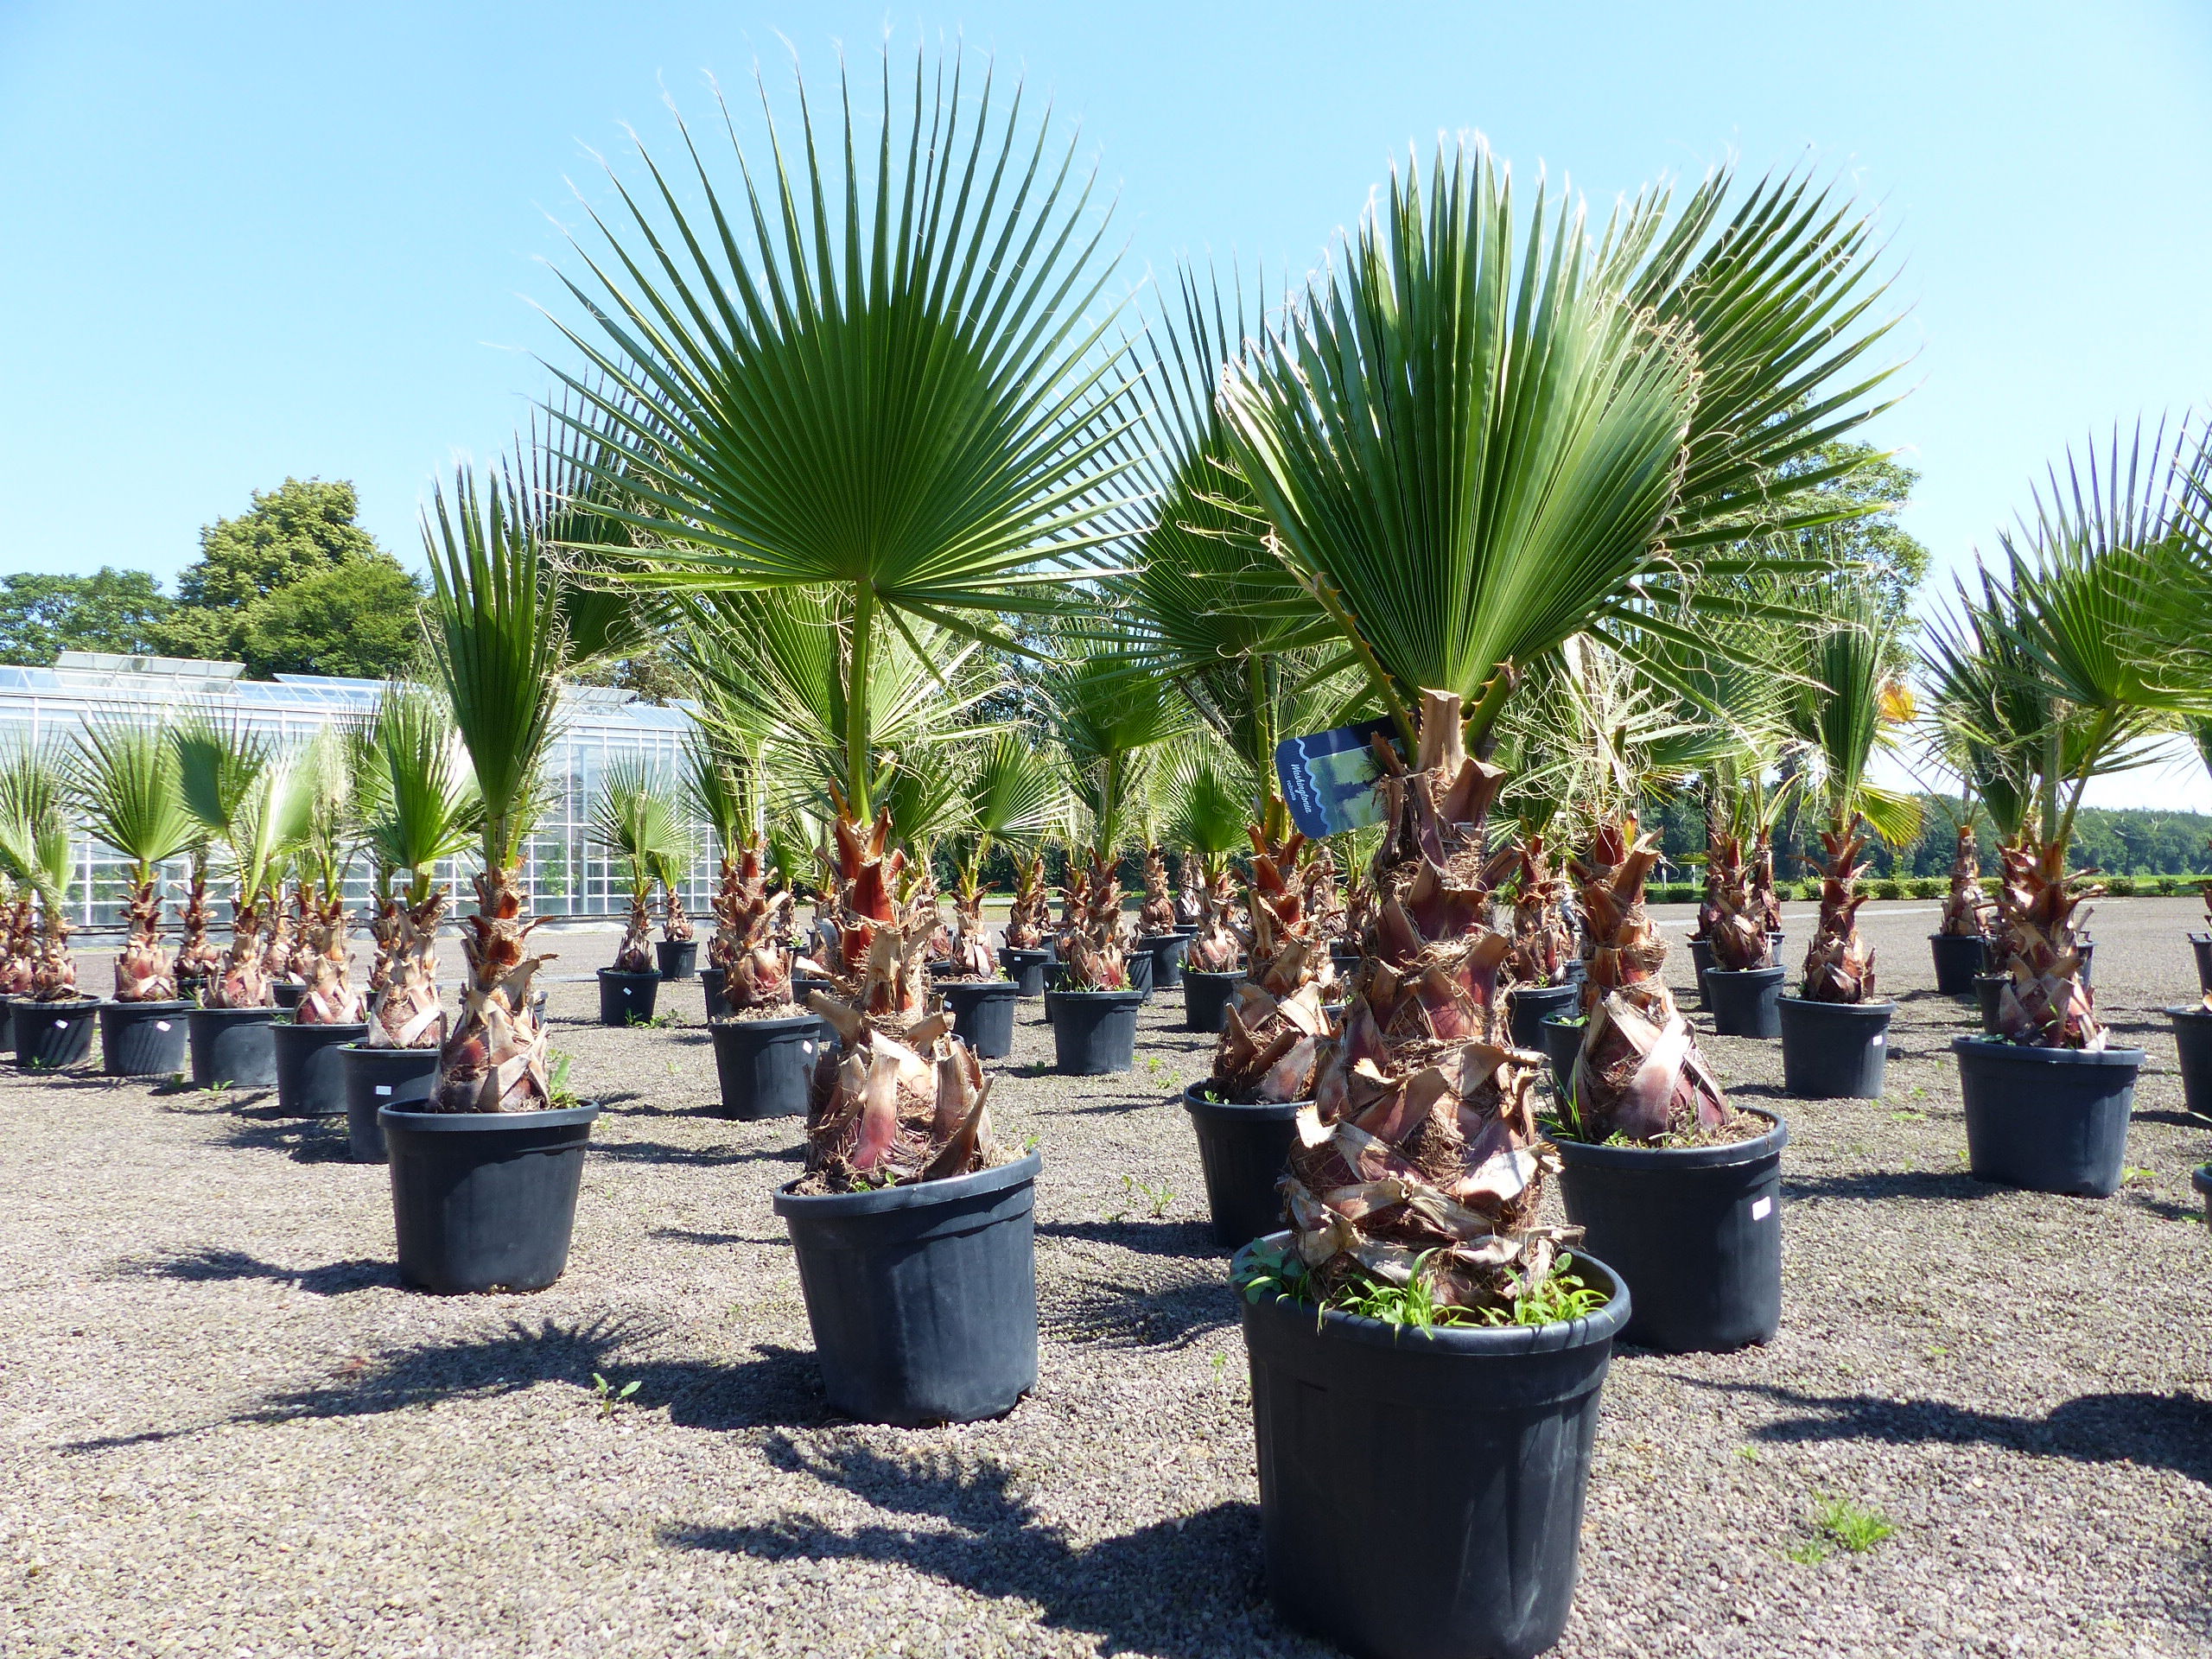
x: 304, y: 1140
x: 778, y: 1389
x: 210, y: 1266
x: 1186, y: 1589
x: 2159, y: 1431
x: 1875, y: 1185
x: 685, y: 1235
x: 1182, y: 1238
x: 660, y: 1152
x: 1124, y: 1315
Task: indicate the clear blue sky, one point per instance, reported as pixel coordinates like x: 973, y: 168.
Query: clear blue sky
x: 244, y: 241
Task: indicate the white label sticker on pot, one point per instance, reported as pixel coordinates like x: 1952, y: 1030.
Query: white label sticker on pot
x: 61, y: 1025
x: 161, y: 1025
x: 383, y: 1088
x: 805, y: 1046
x: 1762, y: 1209
x: 1878, y: 1041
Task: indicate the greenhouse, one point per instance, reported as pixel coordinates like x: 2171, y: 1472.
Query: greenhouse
x: 566, y: 874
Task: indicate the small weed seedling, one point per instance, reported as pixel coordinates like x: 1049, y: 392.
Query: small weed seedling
x: 1908, y: 1117
x: 561, y: 1094
x: 1156, y: 1198
x: 656, y: 1022
x: 1839, y: 1523
x: 611, y: 1399
x: 1919, y: 1093
x: 2133, y: 1177
x: 1748, y: 1453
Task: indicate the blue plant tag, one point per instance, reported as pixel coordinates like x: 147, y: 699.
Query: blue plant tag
x: 1328, y: 779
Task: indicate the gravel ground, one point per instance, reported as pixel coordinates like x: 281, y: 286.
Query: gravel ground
x: 226, y: 1430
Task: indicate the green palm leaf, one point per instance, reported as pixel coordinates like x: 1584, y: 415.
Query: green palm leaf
x: 635, y: 816
x: 124, y: 775
x: 420, y: 801
x: 35, y: 847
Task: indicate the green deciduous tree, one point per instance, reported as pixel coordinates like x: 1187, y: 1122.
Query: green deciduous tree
x: 41, y: 614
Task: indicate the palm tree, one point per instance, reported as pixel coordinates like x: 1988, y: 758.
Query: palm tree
x: 888, y: 391
x: 1474, y: 441
x: 325, y: 775
x: 1015, y: 796
x: 250, y: 806
x: 1849, y: 703
x: 634, y: 817
x: 124, y: 777
x: 35, y: 851
x: 420, y: 807
x: 496, y: 648
x: 751, y: 945
x: 1206, y: 823
x: 217, y: 761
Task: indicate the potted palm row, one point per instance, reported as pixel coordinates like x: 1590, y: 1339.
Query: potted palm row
x: 52, y: 1020
x: 636, y: 822
x: 1472, y: 449
x: 329, y: 1012
x: 243, y: 796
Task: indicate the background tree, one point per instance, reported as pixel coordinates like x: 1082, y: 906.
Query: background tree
x: 42, y: 615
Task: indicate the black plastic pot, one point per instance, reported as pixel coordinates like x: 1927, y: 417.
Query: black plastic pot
x: 143, y: 1039
x: 1345, y: 957
x: 626, y: 999
x: 1056, y: 976
x: 2193, y: 1047
x: 376, y: 1078
x: 1206, y: 998
x: 8, y: 1023
x: 1958, y: 959
x: 52, y: 1036
x: 485, y: 1200
x: 1563, y: 1041
x: 1834, y: 1051
x: 1702, y: 959
x: 1483, y: 1527
x: 287, y: 993
x: 1745, y: 1002
x: 982, y: 1015
x: 1528, y: 1005
x: 676, y: 958
x: 710, y: 984
x: 1695, y: 1231
x: 1988, y: 989
x: 1026, y: 969
x: 1137, y: 966
x: 232, y: 1046
x: 764, y: 1065
x: 310, y: 1078
x: 2049, y: 1120
x: 1093, y: 1032
x: 2201, y: 944
x: 923, y: 1298
x: 942, y: 969
x: 1167, y: 951
x: 1245, y: 1151
x: 2201, y: 1179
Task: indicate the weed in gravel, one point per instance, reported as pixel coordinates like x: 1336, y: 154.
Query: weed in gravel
x: 2133, y: 1177
x: 1908, y: 1117
x: 610, y: 1399
x: 655, y: 1022
x: 1157, y: 1199
x: 1748, y: 1453
x: 560, y: 1094
x: 1840, y: 1522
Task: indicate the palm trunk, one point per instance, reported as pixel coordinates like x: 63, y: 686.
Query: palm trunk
x: 1157, y: 915
x: 276, y: 962
x: 141, y: 973
x: 404, y: 1011
x: 1840, y: 966
x: 53, y: 976
x: 635, y: 956
x: 749, y: 924
x: 676, y: 921
x: 1967, y: 911
x: 1737, y: 936
x: 330, y: 998
x: 1421, y: 1156
x: 1191, y: 889
x: 1323, y: 896
x: 242, y: 980
x: 494, y: 1060
x: 2043, y: 1003
x: 1032, y: 908
x: 1639, y: 1073
x: 1543, y: 942
x: 900, y: 1099
x: 19, y: 964
x: 1215, y: 948
x: 1090, y: 929
x: 1271, y: 1035
x: 1766, y: 903
x: 197, y: 958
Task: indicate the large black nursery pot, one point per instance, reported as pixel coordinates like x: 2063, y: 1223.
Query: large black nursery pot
x: 1563, y: 1034
x: 982, y: 1014
x: 676, y: 958
x: 923, y: 1298
x: 1702, y: 959
x: 485, y: 1200
x: 2049, y: 1120
x: 1528, y: 1005
x: 1137, y: 969
x: 2193, y: 1046
x: 1745, y: 1002
x: 1834, y: 1051
x: 1958, y: 959
x: 2201, y: 945
x: 1026, y: 969
x: 232, y: 1045
x: 8, y: 1023
x: 1988, y: 990
x: 626, y: 999
x: 1244, y: 1150
x: 310, y: 1077
x: 1206, y: 998
x: 376, y: 1078
x: 1093, y: 1032
x: 143, y: 1039
x: 1479, y: 1533
x: 710, y: 985
x: 287, y: 993
x: 52, y: 1036
x: 1695, y: 1231
x: 2201, y: 1179
x: 1167, y: 951
x: 764, y: 1065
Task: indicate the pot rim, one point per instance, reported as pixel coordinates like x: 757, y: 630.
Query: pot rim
x: 1213, y: 973
x: 1887, y: 1010
x: 1037, y: 951
x: 269, y: 1010
x: 1543, y: 990
x: 952, y: 985
x: 623, y: 973
x: 2189, y: 1011
x: 360, y: 1025
x: 1253, y: 1109
x: 1451, y: 1342
x: 2201, y: 1178
x: 560, y: 1117
x: 1063, y: 993
x: 1997, y: 1047
x: 915, y: 1195
x: 790, y: 1021
x: 436, y: 1050
x: 1576, y: 1019
x: 1963, y: 938
x: 1769, y: 1145
x: 69, y: 1005
x: 1776, y: 969
x: 170, y: 1005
